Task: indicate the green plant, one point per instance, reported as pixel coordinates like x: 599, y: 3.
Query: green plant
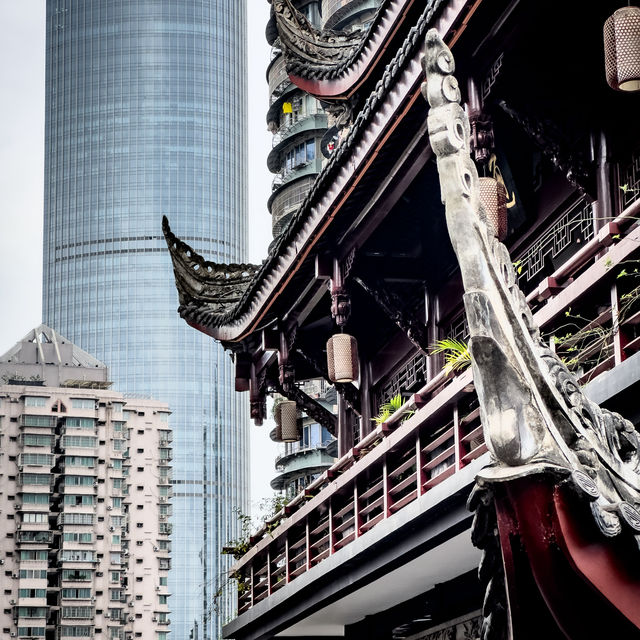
x: 456, y: 354
x: 387, y: 409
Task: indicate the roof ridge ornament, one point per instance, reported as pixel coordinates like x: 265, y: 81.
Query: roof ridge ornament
x: 310, y: 52
x: 536, y: 418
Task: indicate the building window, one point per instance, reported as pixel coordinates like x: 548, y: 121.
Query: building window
x: 116, y: 503
x: 77, y: 612
x: 79, y: 441
x: 74, y: 536
x: 83, y: 403
x: 77, y: 575
x: 35, y: 517
x: 35, y: 401
x: 76, y: 555
x: 32, y: 593
x: 115, y: 594
x: 81, y: 423
x: 299, y: 155
x: 31, y: 632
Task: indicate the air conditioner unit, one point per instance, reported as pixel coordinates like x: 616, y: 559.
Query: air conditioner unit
x: 130, y: 604
x: 19, y: 526
x: 154, y: 619
x: 13, y: 634
x: 17, y: 505
x: 93, y: 599
x: 112, y: 528
x: 107, y: 615
x: 162, y: 518
x: 162, y: 499
x: 109, y: 508
x: 157, y: 588
x: 20, y: 468
x: 131, y: 618
x: 95, y: 484
x: 12, y: 601
x: 156, y: 549
x: 15, y: 575
x: 99, y: 574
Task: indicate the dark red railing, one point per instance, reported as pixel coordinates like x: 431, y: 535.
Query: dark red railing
x: 433, y: 436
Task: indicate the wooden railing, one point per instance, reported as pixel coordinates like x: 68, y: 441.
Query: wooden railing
x: 430, y: 438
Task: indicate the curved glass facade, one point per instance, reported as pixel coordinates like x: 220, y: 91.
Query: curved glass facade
x: 145, y: 116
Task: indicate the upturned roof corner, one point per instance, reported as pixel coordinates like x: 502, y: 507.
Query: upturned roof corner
x: 313, y: 53
x: 207, y: 291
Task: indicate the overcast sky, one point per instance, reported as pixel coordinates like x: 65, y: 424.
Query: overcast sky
x: 22, y: 48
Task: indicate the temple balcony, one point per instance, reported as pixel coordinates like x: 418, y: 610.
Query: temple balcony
x: 383, y: 503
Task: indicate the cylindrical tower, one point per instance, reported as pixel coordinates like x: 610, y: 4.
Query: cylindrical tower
x: 297, y: 119
x: 145, y: 116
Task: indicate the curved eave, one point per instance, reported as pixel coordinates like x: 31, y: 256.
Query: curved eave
x: 393, y: 95
x: 365, y: 60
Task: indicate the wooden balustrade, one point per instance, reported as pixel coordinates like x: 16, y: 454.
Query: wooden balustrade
x: 406, y: 457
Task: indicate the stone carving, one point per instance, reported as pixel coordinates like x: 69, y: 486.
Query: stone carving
x: 310, y: 52
x: 536, y: 418
x: 206, y: 290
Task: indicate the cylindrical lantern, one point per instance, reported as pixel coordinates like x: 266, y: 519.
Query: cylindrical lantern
x: 493, y: 196
x: 288, y: 414
x: 622, y: 49
x: 342, y: 358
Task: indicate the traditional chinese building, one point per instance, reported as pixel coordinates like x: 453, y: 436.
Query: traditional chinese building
x: 363, y: 287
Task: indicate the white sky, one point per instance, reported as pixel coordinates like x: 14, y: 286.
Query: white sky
x: 22, y: 50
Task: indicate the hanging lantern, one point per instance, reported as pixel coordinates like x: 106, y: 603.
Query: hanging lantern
x: 622, y: 49
x: 342, y: 358
x: 287, y: 421
x: 493, y: 196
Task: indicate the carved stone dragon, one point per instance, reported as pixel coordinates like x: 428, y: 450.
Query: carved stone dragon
x: 535, y: 416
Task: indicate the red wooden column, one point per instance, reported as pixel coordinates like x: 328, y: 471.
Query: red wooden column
x: 457, y: 439
x: 421, y: 477
x: 619, y: 339
x: 356, y: 509
x: 307, y: 542
x: 287, y: 557
x: 386, y: 496
x: 332, y: 536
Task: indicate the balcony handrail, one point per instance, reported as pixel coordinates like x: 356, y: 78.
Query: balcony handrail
x: 601, y: 240
x: 457, y: 388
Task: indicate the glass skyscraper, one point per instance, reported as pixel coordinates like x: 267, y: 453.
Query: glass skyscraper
x: 145, y: 116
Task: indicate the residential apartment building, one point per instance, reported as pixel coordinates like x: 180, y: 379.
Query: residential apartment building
x: 85, y: 487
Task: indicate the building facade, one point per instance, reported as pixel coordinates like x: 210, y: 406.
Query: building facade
x: 476, y: 209
x: 301, y: 461
x: 304, y: 132
x: 85, y: 489
x: 145, y: 116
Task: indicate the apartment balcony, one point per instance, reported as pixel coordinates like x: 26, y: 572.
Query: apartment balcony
x: 36, y: 537
x: 277, y: 76
x: 39, y: 421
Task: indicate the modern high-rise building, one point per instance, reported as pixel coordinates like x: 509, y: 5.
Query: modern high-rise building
x: 85, y: 495
x: 145, y: 116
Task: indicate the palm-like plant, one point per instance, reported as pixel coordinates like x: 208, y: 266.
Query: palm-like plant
x: 456, y: 354
x: 387, y: 409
